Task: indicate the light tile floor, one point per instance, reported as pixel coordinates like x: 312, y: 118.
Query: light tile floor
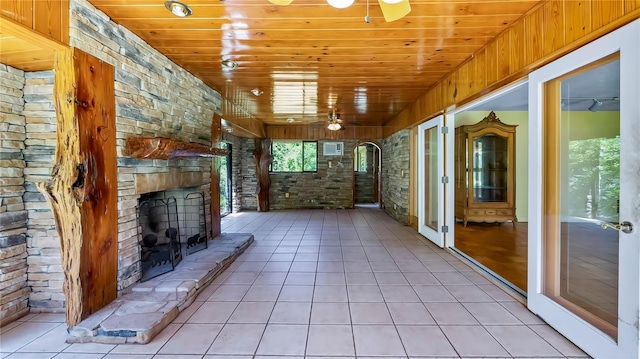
x: 339, y: 284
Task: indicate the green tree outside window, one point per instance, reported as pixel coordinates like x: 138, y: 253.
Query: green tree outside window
x: 294, y: 156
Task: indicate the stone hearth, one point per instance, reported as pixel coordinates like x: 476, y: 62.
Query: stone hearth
x: 147, y: 308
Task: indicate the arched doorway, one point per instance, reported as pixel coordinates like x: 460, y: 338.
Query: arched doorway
x: 367, y: 184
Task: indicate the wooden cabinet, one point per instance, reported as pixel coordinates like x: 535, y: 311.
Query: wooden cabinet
x: 485, y: 184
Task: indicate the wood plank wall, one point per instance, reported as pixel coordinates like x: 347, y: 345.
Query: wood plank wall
x: 240, y: 121
x: 322, y: 133
x: 545, y: 33
x: 48, y: 17
x: 31, y: 31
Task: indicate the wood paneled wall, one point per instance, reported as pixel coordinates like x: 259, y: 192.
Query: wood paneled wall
x: 322, y: 133
x: 31, y: 31
x: 545, y: 33
x: 48, y: 17
x: 240, y: 121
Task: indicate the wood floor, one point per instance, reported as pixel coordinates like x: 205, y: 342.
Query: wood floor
x: 499, y: 247
x: 589, y: 265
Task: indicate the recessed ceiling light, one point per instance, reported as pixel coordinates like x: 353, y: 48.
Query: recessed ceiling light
x: 178, y: 9
x: 257, y: 92
x: 340, y: 4
x: 229, y: 64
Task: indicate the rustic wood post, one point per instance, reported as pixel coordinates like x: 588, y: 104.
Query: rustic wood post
x: 263, y: 159
x: 216, y: 131
x: 82, y: 192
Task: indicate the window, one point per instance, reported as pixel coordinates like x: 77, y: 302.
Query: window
x: 360, y: 159
x: 294, y: 156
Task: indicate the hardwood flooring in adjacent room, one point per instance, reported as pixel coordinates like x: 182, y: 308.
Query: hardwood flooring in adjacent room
x: 499, y: 247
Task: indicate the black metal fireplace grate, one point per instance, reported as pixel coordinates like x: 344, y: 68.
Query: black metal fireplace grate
x: 159, y: 230
x: 195, y: 224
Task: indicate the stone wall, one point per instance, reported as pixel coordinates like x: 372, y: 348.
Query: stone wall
x: 45, y: 269
x: 365, y: 180
x: 330, y: 187
x: 154, y: 98
x: 14, y: 292
x: 395, y: 175
x: 249, y: 182
x: 236, y: 170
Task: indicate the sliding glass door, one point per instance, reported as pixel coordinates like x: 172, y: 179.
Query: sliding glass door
x: 430, y: 180
x: 584, y: 252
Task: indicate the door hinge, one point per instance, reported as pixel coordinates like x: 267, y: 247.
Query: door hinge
x: 445, y: 229
x: 445, y: 130
x: 445, y: 179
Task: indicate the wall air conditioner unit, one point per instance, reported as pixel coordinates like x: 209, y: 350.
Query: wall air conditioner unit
x: 333, y: 148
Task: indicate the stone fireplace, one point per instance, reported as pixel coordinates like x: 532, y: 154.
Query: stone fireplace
x: 153, y: 98
x: 175, y: 202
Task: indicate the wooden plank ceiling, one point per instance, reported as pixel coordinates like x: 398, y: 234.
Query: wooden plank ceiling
x: 308, y: 57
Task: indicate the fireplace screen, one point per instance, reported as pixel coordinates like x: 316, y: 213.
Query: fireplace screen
x: 159, y: 236
x: 195, y: 224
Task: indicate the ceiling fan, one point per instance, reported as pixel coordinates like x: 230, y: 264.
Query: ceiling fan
x: 334, y: 121
x: 391, y: 9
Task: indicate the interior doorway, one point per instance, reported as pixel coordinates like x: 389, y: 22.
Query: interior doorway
x: 490, y: 184
x: 366, y: 174
x: 226, y: 194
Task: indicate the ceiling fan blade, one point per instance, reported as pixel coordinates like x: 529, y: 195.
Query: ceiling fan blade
x: 393, y: 12
x: 280, y: 2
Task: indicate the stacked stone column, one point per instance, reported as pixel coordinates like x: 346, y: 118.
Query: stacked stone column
x: 14, y: 292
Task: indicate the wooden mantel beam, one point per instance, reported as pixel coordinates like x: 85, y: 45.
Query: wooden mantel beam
x: 166, y: 148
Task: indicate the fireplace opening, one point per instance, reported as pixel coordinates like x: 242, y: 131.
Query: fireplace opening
x: 195, y: 223
x: 171, y: 224
x: 159, y: 230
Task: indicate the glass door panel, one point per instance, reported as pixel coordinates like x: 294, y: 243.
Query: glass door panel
x: 226, y: 197
x: 581, y: 262
x: 430, y: 159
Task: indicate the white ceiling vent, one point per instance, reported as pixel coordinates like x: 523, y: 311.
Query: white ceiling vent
x: 333, y: 148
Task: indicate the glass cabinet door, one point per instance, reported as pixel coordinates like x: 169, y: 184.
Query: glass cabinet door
x: 490, y: 168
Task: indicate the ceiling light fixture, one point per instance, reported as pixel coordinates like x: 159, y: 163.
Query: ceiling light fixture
x: 340, y: 4
x: 290, y: 120
x: 334, y: 121
x: 257, y: 92
x: 229, y: 64
x: 178, y: 9
x: 595, y: 105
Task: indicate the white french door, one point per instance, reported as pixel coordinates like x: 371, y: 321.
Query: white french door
x: 430, y: 184
x: 584, y: 199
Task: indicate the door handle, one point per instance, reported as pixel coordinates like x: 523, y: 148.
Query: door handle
x: 626, y: 227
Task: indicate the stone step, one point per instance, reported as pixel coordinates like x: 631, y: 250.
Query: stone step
x: 147, y: 308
